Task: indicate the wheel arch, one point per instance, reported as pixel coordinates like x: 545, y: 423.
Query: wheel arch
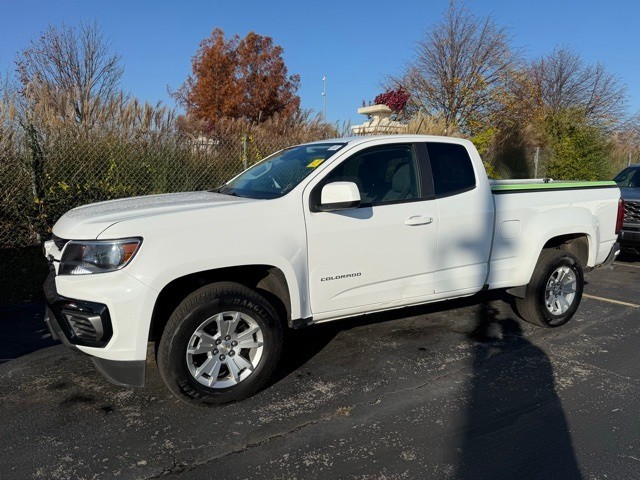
x: 267, y: 280
x: 579, y: 244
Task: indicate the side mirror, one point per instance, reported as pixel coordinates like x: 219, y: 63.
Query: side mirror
x: 339, y: 196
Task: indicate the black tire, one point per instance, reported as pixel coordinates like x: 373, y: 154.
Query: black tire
x: 533, y: 307
x: 203, y: 304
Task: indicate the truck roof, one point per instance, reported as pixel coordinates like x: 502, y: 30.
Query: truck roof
x: 395, y: 137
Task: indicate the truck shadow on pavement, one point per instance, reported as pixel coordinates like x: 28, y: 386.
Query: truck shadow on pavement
x: 304, y: 344
x: 515, y: 421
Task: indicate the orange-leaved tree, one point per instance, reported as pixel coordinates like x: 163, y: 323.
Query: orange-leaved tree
x: 239, y: 78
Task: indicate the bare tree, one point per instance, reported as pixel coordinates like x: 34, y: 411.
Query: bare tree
x: 625, y: 141
x: 459, y: 69
x: 561, y: 80
x: 73, y: 70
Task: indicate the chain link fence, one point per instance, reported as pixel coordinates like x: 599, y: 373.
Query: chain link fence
x: 538, y: 162
x: 528, y: 163
x: 40, y: 181
x: 38, y: 185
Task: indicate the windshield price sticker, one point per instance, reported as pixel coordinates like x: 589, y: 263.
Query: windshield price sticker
x: 315, y: 163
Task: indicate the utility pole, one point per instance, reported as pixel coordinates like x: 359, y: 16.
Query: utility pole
x: 629, y: 161
x: 244, y: 151
x: 535, y: 161
x: 324, y: 98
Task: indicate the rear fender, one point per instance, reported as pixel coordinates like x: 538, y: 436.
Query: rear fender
x: 548, y: 225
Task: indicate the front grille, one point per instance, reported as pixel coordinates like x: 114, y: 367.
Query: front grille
x: 631, y: 212
x: 59, y: 242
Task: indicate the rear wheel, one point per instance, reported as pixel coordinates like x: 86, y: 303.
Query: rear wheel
x: 555, y: 290
x: 221, y: 344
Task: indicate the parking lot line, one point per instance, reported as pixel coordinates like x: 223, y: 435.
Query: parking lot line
x: 621, y: 264
x: 610, y: 300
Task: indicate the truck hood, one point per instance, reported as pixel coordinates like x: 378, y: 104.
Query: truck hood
x: 88, y: 221
x: 630, y: 194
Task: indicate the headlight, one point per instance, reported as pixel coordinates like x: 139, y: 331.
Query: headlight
x: 100, y: 256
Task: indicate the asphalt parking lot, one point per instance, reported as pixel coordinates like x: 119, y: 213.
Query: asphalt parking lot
x: 455, y: 390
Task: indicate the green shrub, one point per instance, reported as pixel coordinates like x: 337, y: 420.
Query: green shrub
x: 580, y: 151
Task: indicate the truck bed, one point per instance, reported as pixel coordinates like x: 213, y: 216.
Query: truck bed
x: 525, y: 207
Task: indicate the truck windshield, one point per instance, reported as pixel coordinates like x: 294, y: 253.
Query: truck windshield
x: 279, y: 173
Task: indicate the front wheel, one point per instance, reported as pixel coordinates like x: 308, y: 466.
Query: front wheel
x: 221, y: 344
x: 555, y: 290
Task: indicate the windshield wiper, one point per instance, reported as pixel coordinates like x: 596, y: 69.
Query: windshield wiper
x: 219, y: 190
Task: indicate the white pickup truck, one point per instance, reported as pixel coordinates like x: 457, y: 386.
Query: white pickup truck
x: 313, y: 233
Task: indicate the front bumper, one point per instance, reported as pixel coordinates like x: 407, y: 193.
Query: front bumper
x: 79, y: 323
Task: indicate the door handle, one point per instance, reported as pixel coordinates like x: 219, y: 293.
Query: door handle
x: 418, y: 220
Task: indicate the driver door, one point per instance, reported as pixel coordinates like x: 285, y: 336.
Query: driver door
x: 381, y: 254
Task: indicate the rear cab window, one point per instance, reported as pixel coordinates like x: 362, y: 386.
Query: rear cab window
x: 451, y: 168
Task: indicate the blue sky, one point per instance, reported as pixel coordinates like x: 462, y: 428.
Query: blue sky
x: 353, y: 43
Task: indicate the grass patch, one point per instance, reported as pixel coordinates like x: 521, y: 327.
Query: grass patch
x: 24, y: 270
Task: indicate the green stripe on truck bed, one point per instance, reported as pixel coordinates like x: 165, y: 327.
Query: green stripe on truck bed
x: 532, y: 187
